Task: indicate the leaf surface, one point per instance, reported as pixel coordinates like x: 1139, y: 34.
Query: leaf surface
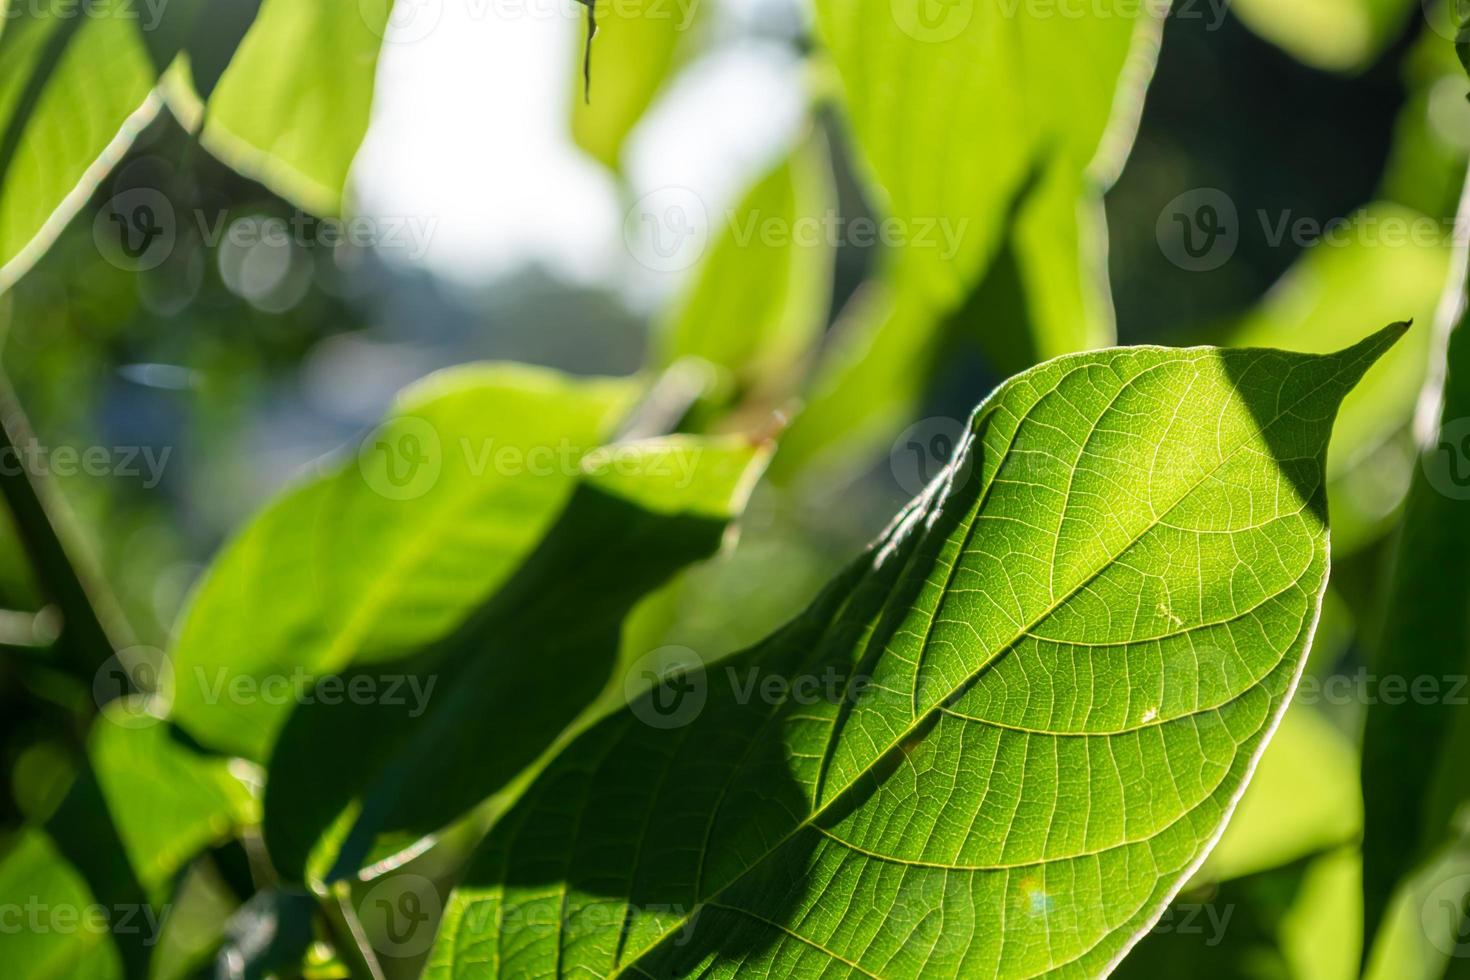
x: 1055, y: 673
x: 389, y: 549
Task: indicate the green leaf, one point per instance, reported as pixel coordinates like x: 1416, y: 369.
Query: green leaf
x: 1328, y: 34
x: 1007, y: 253
x: 1028, y: 93
x: 1412, y: 810
x: 168, y: 798
x: 74, y: 90
x: 354, y: 780
x: 758, y: 303
x: 388, y: 550
x: 292, y: 107
x: 33, y: 869
x: 1045, y: 689
x: 638, y: 45
x: 146, y: 805
x: 1383, y: 267
x: 1304, y: 799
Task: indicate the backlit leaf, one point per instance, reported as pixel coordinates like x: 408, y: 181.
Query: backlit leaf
x: 1047, y: 686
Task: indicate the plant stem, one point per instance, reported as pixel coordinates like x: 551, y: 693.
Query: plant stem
x: 347, y: 936
x: 92, y: 628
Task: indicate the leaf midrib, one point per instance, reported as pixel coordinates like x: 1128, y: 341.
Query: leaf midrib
x: 820, y: 809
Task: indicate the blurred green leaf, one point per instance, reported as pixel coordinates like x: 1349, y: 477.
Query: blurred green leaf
x: 1338, y: 35
x: 1015, y: 101
x: 354, y: 780
x: 388, y: 550
x: 292, y: 106
x: 168, y: 799
x: 1387, y: 263
x: 1416, y: 785
x: 995, y: 187
x: 639, y: 42
x: 980, y: 791
x: 758, y: 303
x: 51, y: 894
x: 97, y: 880
x: 74, y: 90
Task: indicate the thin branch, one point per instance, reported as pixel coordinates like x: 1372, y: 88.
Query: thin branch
x: 92, y: 627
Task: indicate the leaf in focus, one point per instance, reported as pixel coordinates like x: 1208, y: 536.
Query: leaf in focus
x: 637, y: 47
x: 352, y: 781
x: 74, y: 91
x: 758, y: 303
x: 1330, y: 34
x: 1389, y: 263
x: 387, y: 550
x: 1055, y: 673
x: 292, y: 107
x: 1302, y: 800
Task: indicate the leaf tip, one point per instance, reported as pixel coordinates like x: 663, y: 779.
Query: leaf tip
x: 1358, y: 358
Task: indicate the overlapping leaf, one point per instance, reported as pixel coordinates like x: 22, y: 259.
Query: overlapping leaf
x: 994, y: 190
x: 389, y: 550
x: 98, y: 875
x: 293, y: 104
x: 1054, y: 673
x: 356, y: 779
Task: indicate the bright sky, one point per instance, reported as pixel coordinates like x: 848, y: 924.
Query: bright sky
x: 471, y: 130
